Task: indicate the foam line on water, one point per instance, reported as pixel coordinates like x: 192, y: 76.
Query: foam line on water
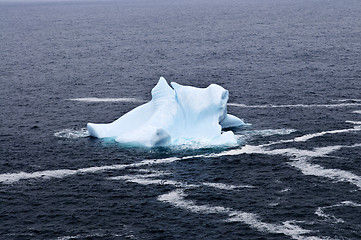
x: 90, y: 236
x: 95, y: 99
x: 354, y: 122
x: 94, y: 236
x: 313, y: 135
x: 9, y: 178
x: 177, y: 198
x: 152, y: 171
x: 348, y: 100
x: 149, y: 181
x: 266, y: 132
x: 149, y: 175
x: 224, y: 186
x: 296, y: 105
x: 300, y: 160
x: 357, y: 111
x: 247, y: 149
x: 320, y: 210
x: 308, y: 168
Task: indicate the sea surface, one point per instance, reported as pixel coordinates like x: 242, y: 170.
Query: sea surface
x: 293, y: 71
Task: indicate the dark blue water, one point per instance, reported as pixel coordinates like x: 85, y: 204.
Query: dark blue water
x: 293, y: 70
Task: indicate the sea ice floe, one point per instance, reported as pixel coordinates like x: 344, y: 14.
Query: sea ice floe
x: 174, y: 116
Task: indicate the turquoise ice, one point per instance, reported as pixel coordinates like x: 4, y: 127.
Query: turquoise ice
x: 175, y: 115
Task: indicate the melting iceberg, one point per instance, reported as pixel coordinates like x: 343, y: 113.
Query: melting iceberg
x: 174, y: 116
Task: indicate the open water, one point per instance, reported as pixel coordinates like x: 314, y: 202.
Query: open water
x: 293, y: 70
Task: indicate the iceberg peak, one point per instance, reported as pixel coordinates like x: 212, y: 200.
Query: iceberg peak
x: 178, y: 115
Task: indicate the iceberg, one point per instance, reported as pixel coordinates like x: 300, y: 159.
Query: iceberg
x: 175, y: 115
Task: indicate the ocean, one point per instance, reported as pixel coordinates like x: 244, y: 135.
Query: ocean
x: 293, y: 71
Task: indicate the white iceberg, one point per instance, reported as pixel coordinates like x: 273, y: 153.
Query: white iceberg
x: 174, y: 116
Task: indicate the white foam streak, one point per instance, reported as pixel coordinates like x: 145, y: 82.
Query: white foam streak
x: 300, y: 159
x: 94, y: 235
x: 349, y: 203
x: 354, y: 122
x: 177, y: 199
x: 295, y: 105
x: 267, y: 132
x: 334, y: 174
x: 310, y: 136
x: 147, y: 172
x: 348, y: 100
x: 148, y: 181
x: 9, y: 178
x: 357, y: 111
x: 94, y: 99
x: 14, y: 177
x: 247, y: 149
x: 320, y: 211
x: 150, y: 175
x: 223, y: 186
x: 293, y: 152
